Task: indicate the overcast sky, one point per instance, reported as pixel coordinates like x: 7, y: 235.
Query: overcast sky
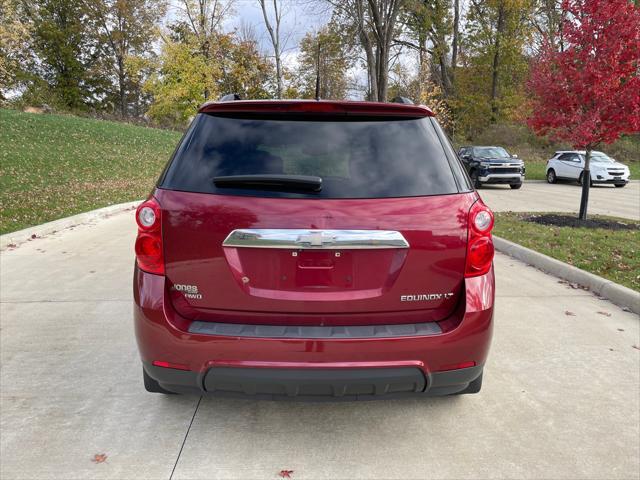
x: 300, y: 17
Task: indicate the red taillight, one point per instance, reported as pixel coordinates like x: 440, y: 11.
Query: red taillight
x: 457, y: 366
x: 175, y: 366
x: 149, y: 251
x: 479, y: 245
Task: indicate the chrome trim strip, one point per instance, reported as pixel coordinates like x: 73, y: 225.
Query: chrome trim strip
x: 500, y: 175
x: 327, y: 332
x: 315, y: 239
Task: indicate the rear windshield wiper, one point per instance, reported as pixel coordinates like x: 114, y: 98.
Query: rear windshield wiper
x: 305, y: 183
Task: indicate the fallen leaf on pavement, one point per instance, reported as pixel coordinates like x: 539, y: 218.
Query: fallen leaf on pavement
x: 636, y: 347
x: 606, y: 314
x: 285, y: 473
x: 569, y: 314
x: 99, y: 458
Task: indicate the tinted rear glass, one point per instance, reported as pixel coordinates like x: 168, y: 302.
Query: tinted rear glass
x: 355, y: 159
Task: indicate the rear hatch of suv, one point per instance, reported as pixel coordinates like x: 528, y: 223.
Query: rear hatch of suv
x: 314, y: 215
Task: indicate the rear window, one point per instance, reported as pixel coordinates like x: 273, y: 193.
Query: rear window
x: 354, y: 158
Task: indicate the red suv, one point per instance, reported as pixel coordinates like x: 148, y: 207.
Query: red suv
x: 314, y: 249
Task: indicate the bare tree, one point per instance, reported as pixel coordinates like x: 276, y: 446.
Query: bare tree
x: 276, y: 40
x: 205, y: 17
x: 384, y: 14
x: 247, y: 32
x: 375, y: 23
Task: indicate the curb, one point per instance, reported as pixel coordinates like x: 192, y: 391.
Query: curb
x: 21, y: 236
x: 616, y: 293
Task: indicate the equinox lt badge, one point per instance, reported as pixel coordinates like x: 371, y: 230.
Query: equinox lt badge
x: 425, y: 297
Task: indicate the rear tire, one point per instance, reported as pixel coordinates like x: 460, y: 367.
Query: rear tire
x: 474, y: 387
x: 152, y: 386
x: 515, y: 186
x: 551, y: 176
x: 620, y: 185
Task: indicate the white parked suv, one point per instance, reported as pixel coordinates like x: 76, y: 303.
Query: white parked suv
x: 569, y: 164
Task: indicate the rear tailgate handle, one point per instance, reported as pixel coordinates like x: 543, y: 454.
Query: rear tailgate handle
x: 296, y: 239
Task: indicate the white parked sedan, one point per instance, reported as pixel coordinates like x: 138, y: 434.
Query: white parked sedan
x: 569, y: 165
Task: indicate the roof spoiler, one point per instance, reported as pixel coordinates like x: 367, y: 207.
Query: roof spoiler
x: 313, y: 107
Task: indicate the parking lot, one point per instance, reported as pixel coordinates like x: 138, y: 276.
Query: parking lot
x: 539, y: 196
x: 560, y: 397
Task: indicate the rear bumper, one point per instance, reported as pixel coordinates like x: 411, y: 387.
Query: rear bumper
x: 314, y: 384
x: 423, y: 363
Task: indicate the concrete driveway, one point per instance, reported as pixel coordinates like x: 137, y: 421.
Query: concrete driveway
x: 560, y: 398
x: 564, y: 197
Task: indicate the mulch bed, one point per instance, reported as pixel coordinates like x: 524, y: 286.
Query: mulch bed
x: 573, y: 221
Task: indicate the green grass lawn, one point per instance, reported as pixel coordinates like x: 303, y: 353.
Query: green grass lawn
x: 536, y: 170
x: 53, y: 166
x: 614, y: 255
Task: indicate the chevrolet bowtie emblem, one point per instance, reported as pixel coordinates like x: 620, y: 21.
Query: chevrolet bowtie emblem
x: 316, y: 239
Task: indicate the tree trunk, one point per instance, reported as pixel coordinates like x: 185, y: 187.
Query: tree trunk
x: 383, y: 15
x: 371, y: 73
x: 496, y: 64
x: 278, y: 47
x: 278, y: 76
x: 444, y: 74
x: 454, y: 43
x: 372, y: 78
x: 383, y: 74
x: 206, y: 54
x: 275, y: 40
x: 422, y: 44
x: 561, y: 29
x: 586, y: 184
x: 121, y: 88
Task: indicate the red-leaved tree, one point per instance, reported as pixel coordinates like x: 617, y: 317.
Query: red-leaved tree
x: 587, y: 90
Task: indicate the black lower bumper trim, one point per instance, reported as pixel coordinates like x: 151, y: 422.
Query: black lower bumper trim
x: 314, y: 384
x: 609, y: 182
